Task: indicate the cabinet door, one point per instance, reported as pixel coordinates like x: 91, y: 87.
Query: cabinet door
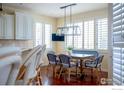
x: 23, y: 26
x: 19, y: 26
x: 29, y: 30
x: 1, y: 27
x: 8, y: 27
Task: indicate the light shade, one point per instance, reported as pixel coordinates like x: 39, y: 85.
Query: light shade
x: 69, y: 30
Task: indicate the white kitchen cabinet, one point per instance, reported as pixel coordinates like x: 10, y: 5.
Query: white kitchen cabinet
x: 7, y: 27
x: 24, y: 26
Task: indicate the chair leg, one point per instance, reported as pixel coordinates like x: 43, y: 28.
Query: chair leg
x: 76, y: 72
x: 61, y: 68
x: 39, y: 80
x: 30, y: 82
x: 100, y: 72
x: 47, y: 69
x: 54, y: 71
x: 68, y: 74
x: 40, y: 77
x: 97, y: 75
x: 91, y: 73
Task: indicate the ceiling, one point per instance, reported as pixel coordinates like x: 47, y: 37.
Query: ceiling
x: 53, y: 9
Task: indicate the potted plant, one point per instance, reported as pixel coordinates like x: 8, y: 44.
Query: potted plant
x: 69, y: 49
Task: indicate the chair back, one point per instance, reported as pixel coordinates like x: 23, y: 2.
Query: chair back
x: 31, y: 65
x: 30, y: 54
x: 99, y: 60
x: 52, y: 58
x: 40, y: 55
x: 10, y: 61
x: 65, y: 59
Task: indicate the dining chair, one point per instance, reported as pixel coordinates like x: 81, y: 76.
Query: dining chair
x: 39, y: 57
x: 67, y: 65
x: 95, y: 65
x: 53, y: 62
x: 28, y: 70
x: 10, y: 61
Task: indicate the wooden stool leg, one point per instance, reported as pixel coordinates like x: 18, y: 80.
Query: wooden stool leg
x: 30, y: 82
x: 54, y: 70
x: 68, y: 74
x: 61, y: 68
x: 40, y: 77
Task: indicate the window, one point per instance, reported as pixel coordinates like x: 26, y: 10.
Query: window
x: 89, y: 34
x: 38, y: 34
x: 69, y: 37
x: 48, y: 30
x: 43, y: 36
x: 78, y: 39
x: 102, y: 30
x: 74, y: 41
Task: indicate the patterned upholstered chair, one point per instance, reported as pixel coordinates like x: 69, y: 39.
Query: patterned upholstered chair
x: 53, y: 62
x: 95, y: 65
x: 67, y: 65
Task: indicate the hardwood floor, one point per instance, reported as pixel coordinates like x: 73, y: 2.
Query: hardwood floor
x: 48, y: 79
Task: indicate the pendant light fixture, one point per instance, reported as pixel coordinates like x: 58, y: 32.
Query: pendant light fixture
x: 71, y: 27
x: 2, y: 12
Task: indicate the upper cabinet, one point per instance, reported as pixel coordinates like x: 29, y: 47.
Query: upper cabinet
x: 23, y: 26
x: 7, y: 27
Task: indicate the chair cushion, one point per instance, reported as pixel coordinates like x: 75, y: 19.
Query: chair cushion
x: 90, y: 64
x: 72, y: 64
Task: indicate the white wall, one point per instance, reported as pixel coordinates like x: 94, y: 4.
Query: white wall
x: 110, y: 65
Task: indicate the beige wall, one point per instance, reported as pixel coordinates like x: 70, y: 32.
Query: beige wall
x: 82, y: 17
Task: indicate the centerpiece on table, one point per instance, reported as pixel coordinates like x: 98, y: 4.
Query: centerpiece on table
x: 69, y: 49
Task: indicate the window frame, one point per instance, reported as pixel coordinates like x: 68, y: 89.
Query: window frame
x: 95, y: 34
x: 43, y: 33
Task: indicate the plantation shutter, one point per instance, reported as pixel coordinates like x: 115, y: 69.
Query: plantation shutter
x: 118, y: 44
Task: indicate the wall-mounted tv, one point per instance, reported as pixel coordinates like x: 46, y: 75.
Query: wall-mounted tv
x: 57, y: 37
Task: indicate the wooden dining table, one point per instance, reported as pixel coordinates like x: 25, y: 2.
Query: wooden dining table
x: 82, y: 58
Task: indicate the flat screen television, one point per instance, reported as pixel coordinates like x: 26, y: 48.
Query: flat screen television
x: 57, y: 37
